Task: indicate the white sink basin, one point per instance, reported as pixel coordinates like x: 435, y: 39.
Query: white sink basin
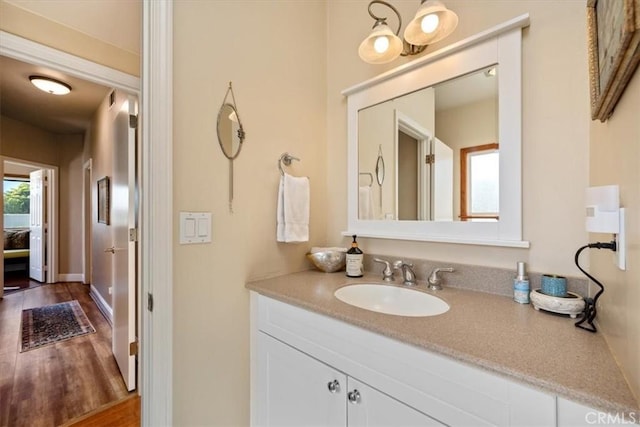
x: 392, y: 300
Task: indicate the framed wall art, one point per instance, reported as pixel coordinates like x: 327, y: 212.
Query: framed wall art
x: 614, y: 51
x: 103, y: 200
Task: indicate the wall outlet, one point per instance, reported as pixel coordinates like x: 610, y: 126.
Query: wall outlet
x: 110, y: 287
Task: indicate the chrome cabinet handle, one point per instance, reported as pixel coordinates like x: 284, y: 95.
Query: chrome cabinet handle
x: 333, y: 386
x: 112, y: 249
x: 354, y: 396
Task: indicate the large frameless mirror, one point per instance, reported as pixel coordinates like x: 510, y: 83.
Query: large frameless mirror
x: 230, y: 135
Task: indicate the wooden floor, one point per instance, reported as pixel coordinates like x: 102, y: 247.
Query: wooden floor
x: 123, y: 413
x: 51, y: 385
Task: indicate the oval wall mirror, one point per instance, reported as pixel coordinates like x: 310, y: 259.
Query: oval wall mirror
x: 380, y: 167
x: 230, y: 135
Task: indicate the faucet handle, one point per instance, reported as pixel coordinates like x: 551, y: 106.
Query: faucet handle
x: 399, y: 263
x: 434, y: 281
x: 387, y: 273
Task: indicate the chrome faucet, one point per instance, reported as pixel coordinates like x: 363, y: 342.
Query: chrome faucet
x: 434, y: 282
x: 387, y: 273
x: 408, y: 276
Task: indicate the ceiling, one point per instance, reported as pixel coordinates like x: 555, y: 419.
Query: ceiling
x: 20, y: 100
x: 467, y: 89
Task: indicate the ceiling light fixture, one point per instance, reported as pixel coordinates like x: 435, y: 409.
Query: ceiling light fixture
x: 49, y: 85
x: 432, y: 22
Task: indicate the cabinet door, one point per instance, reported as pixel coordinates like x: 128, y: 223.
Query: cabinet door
x: 369, y: 407
x: 295, y: 389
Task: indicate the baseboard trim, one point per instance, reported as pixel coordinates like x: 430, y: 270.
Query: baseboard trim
x: 104, y: 308
x: 74, y: 277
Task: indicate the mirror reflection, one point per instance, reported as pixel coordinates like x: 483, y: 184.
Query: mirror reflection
x: 229, y: 131
x: 434, y: 153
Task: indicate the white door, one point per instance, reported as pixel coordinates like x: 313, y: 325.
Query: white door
x: 442, y: 181
x: 369, y: 407
x: 37, y: 225
x: 123, y: 214
x: 295, y: 389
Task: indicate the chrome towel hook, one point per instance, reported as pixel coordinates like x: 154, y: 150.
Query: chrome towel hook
x: 286, y: 158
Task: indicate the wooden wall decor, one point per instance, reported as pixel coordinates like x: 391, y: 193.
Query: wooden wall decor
x: 614, y: 51
x: 103, y: 200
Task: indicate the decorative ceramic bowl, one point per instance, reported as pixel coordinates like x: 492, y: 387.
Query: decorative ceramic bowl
x: 572, y: 304
x: 328, y: 261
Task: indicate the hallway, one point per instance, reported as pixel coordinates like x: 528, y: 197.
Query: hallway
x: 54, y: 384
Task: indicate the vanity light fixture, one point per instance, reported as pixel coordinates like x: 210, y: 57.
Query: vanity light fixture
x: 49, y: 85
x: 432, y: 22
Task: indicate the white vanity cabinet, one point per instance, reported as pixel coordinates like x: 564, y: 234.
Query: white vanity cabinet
x: 369, y: 407
x: 297, y: 390
x: 296, y: 354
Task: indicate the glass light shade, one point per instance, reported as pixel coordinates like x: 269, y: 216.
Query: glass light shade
x: 429, y: 23
x: 49, y: 85
x: 371, y: 51
x: 447, y: 22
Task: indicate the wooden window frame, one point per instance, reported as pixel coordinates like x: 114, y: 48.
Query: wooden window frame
x: 464, y: 153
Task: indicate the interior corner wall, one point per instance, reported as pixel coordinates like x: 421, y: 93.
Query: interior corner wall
x: 615, y: 159
x: 275, y: 56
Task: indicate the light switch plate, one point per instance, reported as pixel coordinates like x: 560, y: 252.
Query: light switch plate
x: 195, y: 227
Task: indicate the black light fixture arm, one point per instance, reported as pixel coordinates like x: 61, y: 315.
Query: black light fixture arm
x: 380, y: 20
x: 590, y: 307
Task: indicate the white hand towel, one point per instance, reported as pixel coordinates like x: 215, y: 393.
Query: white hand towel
x: 365, y: 203
x: 293, y: 209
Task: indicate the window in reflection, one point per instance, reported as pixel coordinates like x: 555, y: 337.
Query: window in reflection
x: 480, y: 190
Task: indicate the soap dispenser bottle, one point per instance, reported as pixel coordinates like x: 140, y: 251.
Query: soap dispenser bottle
x: 355, y: 258
x: 521, y: 286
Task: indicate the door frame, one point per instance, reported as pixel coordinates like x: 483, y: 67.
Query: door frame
x: 156, y: 221
x: 51, y: 260
x: 156, y: 204
x: 410, y: 127
x: 87, y: 211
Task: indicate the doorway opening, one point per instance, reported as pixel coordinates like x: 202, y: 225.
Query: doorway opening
x: 30, y: 222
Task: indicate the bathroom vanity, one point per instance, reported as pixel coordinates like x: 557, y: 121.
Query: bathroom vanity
x: 486, y: 361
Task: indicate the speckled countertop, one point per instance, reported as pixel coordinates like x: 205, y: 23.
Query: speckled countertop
x: 489, y: 331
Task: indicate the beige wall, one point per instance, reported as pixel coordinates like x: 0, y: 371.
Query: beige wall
x: 274, y: 52
x: 555, y: 127
x: 479, y: 128
x: 615, y: 159
x: 107, y: 33
x: 70, y: 210
x: 98, y: 146
x: 25, y: 142
x: 376, y: 129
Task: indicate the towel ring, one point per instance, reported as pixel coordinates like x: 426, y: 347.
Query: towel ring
x: 286, y: 158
